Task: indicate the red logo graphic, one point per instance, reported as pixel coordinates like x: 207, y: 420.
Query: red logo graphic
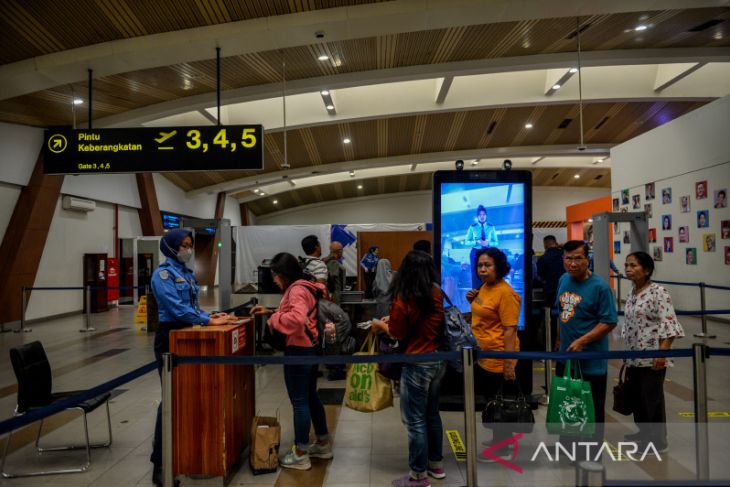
x: 489, y: 452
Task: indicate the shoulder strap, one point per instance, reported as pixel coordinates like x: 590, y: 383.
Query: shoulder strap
x: 317, y: 296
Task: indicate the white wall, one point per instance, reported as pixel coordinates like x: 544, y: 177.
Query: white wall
x: 692, y: 148
x: 19, y: 149
x: 8, y: 197
x: 548, y: 204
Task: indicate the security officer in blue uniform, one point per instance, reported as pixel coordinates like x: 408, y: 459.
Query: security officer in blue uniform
x: 479, y: 236
x: 176, y: 292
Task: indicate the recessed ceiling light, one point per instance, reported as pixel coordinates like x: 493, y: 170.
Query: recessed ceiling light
x: 323, y: 57
x: 639, y: 28
x: 330, y: 107
x: 474, y: 162
x: 556, y: 87
x: 275, y: 202
x: 324, y: 92
x: 359, y: 186
x: 717, y: 36
x: 78, y: 101
x: 528, y: 125
x: 346, y: 140
x: 262, y: 193
x: 576, y: 176
x: 256, y: 190
x: 573, y: 70
x: 352, y: 174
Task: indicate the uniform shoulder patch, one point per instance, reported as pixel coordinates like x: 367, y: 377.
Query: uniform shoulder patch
x: 179, y: 279
x: 164, y: 274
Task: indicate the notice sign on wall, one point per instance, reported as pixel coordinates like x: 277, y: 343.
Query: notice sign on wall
x: 215, y: 148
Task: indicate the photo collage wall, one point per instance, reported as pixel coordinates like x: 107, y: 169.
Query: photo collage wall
x: 691, y: 220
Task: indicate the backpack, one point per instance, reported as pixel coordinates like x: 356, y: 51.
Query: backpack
x: 304, y: 263
x: 457, y: 332
x: 327, y: 311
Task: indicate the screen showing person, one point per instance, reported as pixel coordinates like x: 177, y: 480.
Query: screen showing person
x: 649, y: 191
x: 691, y: 256
x: 701, y: 190
x: 666, y: 222
x: 683, y: 234
x: 725, y: 229
x: 721, y: 198
x: 666, y: 196
x: 637, y: 201
x: 684, y: 204
x: 475, y: 215
x: 668, y: 245
x: 703, y: 219
x: 708, y: 242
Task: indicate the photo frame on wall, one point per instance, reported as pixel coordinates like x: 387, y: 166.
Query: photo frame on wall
x: 684, y: 234
x: 725, y: 229
x: 720, y: 198
x: 691, y: 256
x: 627, y: 238
x: 647, y: 210
x: 652, y: 235
x: 657, y: 254
x: 684, y: 206
x: 616, y: 246
x: 666, y: 222
x: 668, y: 245
x: 701, y: 190
x: 624, y: 196
x: 615, y: 205
x: 727, y: 255
x: 708, y: 242
x: 649, y: 191
x: 667, y: 196
x: 636, y: 202
x: 703, y: 219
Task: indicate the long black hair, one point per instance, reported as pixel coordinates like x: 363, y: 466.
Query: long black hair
x: 287, y: 266
x: 414, y: 280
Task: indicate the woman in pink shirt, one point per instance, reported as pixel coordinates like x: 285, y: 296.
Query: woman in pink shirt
x: 296, y: 319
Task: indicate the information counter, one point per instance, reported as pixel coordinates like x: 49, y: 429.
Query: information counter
x: 213, y: 405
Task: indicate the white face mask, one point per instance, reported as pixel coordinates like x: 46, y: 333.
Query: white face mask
x: 184, y: 255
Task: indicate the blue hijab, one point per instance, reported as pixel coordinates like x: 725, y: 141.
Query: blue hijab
x: 171, y: 241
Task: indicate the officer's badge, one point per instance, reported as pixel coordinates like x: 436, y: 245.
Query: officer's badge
x: 164, y: 274
x: 179, y: 279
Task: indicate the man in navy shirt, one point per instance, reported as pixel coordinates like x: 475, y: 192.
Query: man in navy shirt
x: 587, y: 315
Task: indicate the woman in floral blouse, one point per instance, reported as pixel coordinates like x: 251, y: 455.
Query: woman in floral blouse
x: 650, y: 324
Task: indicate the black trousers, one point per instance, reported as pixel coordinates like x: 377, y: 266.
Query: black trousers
x: 598, y: 391
x: 646, y: 392
x: 369, y: 279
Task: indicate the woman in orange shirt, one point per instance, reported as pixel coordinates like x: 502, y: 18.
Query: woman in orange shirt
x: 495, y: 312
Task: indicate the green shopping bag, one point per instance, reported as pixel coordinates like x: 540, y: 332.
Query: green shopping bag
x: 570, y: 408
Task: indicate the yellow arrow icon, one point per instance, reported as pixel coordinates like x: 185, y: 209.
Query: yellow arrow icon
x: 57, y: 143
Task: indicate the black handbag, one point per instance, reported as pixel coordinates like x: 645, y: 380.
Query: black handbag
x: 390, y: 346
x: 621, y: 399
x: 512, y: 409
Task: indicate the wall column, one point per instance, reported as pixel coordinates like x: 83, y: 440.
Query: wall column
x: 25, y: 238
x: 149, y: 215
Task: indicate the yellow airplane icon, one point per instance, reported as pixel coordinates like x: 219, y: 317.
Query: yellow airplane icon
x: 164, y: 136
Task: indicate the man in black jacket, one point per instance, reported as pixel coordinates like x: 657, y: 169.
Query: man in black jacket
x: 550, y: 268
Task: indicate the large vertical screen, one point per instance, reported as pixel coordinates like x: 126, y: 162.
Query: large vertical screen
x: 475, y: 210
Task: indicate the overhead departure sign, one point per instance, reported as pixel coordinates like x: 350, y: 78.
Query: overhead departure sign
x: 218, y: 148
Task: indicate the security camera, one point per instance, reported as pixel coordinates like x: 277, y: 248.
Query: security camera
x: 319, y: 34
x: 506, y: 164
x: 459, y: 165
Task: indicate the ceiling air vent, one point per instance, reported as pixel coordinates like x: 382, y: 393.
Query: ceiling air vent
x: 565, y: 123
x: 706, y: 25
x: 600, y: 124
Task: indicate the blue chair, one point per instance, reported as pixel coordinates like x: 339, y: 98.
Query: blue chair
x: 35, y: 383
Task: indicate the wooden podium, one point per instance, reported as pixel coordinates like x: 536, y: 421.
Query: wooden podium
x: 213, y: 405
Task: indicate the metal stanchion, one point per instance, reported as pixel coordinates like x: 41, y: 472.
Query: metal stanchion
x: 618, y: 292
x: 167, y: 473
x: 703, y: 317
x: 87, y: 295
x: 702, y: 445
x: 23, y: 310
x: 589, y: 474
x: 470, y: 415
x: 548, y: 362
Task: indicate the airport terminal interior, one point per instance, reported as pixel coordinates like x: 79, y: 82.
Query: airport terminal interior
x: 371, y: 125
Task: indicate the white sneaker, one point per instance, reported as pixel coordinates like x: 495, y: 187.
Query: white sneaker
x: 297, y: 462
x: 321, y: 451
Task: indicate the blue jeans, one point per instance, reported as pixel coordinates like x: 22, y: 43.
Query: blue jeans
x: 420, y: 387
x: 301, y: 384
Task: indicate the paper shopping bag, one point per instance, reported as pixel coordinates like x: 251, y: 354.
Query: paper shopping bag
x: 367, y: 390
x: 570, y: 407
x: 265, y: 438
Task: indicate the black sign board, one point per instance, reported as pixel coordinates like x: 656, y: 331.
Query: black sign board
x: 159, y: 149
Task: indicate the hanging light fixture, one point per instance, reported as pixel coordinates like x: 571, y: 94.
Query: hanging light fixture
x: 285, y: 165
x: 581, y: 145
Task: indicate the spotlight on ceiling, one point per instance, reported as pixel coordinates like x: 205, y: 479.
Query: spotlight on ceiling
x: 346, y: 140
x: 528, y: 126
x: 78, y: 101
x: 323, y: 57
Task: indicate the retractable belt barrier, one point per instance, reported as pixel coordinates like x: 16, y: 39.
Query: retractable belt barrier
x: 677, y: 283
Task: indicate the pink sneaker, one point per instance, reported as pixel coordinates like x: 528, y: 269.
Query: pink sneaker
x: 408, y: 481
x: 437, y: 473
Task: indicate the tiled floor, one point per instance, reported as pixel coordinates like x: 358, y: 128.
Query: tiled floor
x: 370, y: 449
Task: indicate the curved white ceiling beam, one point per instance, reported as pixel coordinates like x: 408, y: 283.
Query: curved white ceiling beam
x: 595, y: 151
x: 628, y: 57
x: 269, y: 33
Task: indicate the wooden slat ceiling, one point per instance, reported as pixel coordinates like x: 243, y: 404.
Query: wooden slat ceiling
x: 38, y: 27
x: 589, y: 177
x: 605, y: 123
x: 128, y: 91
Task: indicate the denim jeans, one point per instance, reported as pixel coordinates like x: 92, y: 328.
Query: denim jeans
x: 301, y: 384
x: 420, y: 387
